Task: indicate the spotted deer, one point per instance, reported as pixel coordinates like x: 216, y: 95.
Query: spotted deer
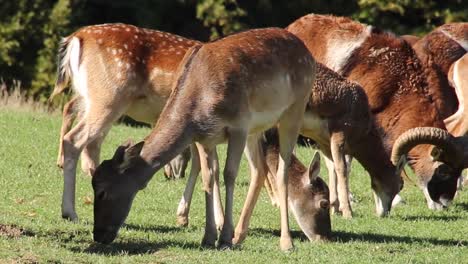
x: 229, y: 90
x: 115, y: 69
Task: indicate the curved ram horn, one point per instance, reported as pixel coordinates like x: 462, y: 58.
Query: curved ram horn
x: 446, y: 148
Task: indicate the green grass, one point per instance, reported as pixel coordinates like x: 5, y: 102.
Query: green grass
x: 30, y: 197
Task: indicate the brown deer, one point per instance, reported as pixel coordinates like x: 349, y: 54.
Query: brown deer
x: 404, y: 91
x: 338, y: 119
x: 308, y: 194
x: 229, y: 90
x: 145, y: 61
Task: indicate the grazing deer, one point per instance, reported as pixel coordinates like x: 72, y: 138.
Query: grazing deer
x: 308, y: 194
x: 338, y: 119
x: 229, y: 90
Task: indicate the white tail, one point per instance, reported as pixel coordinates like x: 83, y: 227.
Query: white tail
x: 115, y: 69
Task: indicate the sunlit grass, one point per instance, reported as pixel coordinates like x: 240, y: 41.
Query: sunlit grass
x: 30, y: 197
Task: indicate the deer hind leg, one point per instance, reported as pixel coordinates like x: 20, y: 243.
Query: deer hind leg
x: 69, y: 114
x: 184, y: 205
x: 258, y: 167
x: 288, y: 131
x: 337, y: 145
x: 175, y: 169
x: 87, y: 130
x: 236, y: 144
x: 206, y: 164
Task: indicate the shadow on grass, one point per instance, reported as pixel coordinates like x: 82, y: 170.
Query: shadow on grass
x: 157, y: 228
x: 445, y: 218
x: 463, y: 206
x: 268, y: 233
x: 134, y: 247
x: 346, y: 237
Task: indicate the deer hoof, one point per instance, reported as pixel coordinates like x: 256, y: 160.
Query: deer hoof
x: 224, y: 245
x: 286, y: 244
x: 347, y: 214
x: 72, y: 217
x: 239, y: 238
x: 208, y: 242
x: 182, y: 221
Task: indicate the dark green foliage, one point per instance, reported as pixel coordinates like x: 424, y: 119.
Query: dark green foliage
x: 30, y: 30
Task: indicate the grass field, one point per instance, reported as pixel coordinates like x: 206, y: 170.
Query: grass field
x: 31, y: 229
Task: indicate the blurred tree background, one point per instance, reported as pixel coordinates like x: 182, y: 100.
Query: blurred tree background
x: 30, y: 30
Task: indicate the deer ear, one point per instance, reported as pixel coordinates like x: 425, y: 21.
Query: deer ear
x: 314, y: 167
x: 120, y: 152
x: 131, y: 154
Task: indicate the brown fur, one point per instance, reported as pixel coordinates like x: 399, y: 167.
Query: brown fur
x: 345, y: 106
x: 411, y: 39
x: 403, y: 91
x: 219, y: 95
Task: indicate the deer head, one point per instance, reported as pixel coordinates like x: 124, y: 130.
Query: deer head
x: 310, y: 204
x: 115, y: 183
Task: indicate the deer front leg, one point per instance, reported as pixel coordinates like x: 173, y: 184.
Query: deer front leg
x: 236, y: 143
x: 217, y: 203
x: 175, y: 169
x: 332, y: 185
x: 90, y: 155
x: 257, y: 164
x: 73, y: 143
x: 337, y: 145
x: 288, y: 130
x: 68, y: 117
x: 206, y: 164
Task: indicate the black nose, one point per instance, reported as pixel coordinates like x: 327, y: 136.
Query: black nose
x: 104, y: 236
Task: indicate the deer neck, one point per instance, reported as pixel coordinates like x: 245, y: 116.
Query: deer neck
x: 166, y: 141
